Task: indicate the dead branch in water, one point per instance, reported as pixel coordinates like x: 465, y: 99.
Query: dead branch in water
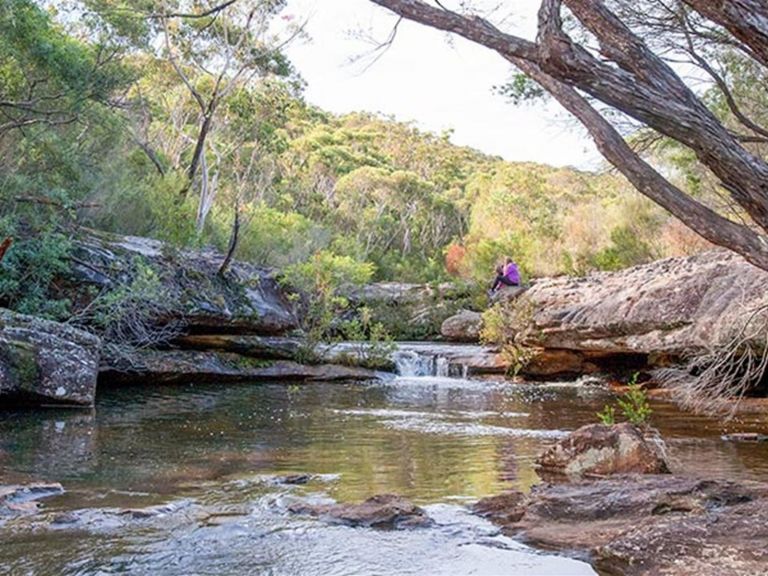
x: 715, y: 382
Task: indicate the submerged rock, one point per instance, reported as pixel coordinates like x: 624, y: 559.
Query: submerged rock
x: 462, y: 327
x: 597, y: 449
x: 381, y: 511
x: 23, y: 499
x: 45, y: 362
x: 504, y: 509
x: 652, y: 524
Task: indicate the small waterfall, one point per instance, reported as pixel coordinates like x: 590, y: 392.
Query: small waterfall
x: 411, y: 363
x: 427, y: 362
x: 442, y: 366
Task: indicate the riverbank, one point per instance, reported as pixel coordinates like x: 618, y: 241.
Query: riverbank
x: 143, y: 312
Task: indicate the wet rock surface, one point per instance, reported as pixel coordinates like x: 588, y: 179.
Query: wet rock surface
x: 645, y: 524
x: 381, y: 511
x: 600, y: 450
x: 44, y: 362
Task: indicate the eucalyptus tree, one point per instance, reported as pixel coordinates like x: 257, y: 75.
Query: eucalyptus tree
x: 599, y: 57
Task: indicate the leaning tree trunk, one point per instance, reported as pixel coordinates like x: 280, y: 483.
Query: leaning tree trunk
x: 640, y: 84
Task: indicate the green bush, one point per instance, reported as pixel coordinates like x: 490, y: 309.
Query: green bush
x: 30, y: 269
x: 319, y: 279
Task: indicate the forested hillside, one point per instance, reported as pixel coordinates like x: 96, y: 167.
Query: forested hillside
x: 195, y: 131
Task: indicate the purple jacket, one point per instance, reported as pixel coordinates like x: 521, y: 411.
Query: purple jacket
x: 512, y: 273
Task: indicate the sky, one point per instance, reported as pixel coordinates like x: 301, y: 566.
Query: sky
x: 433, y: 80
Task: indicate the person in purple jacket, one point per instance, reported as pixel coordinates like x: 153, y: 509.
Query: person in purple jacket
x: 508, y: 275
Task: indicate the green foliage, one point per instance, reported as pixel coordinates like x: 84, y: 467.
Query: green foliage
x: 130, y: 314
x: 521, y: 89
x: 627, y: 249
x: 634, y: 404
x: 374, y: 343
x: 607, y: 416
x: 30, y: 269
x: 320, y: 279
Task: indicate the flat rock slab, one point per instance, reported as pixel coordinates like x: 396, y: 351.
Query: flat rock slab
x: 381, y: 511
x: 181, y: 366
x: 649, y: 524
x: 45, y: 362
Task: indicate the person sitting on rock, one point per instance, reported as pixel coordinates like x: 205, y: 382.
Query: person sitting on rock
x: 507, y: 275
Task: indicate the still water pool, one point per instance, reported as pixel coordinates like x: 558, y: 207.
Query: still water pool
x: 209, y: 455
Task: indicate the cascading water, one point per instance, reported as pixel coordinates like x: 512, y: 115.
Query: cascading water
x: 412, y: 363
x: 438, y: 360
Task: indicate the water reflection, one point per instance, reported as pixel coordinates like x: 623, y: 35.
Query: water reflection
x: 434, y: 440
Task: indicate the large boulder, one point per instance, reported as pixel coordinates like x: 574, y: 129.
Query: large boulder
x: 381, y: 511
x: 647, y: 524
x: 44, y: 362
x: 247, y: 299
x: 597, y: 449
x: 660, y: 311
x: 462, y: 327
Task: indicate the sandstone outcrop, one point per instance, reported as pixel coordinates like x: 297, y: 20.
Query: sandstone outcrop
x: 44, y: 362
x: 653, y: 314
x: 248, y: 299
x: 648, y: 524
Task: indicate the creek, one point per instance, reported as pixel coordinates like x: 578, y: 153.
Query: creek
x: 211, y: 456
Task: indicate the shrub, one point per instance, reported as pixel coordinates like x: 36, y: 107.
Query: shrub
x: 634, y: 405
x: 319, y: 279
x: 29, y: 270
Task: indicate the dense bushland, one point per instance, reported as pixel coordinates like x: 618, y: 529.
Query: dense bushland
x: 152, y: 123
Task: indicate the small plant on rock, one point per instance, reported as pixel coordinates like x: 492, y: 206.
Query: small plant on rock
x: 634, y: 406
x: 607, y: 416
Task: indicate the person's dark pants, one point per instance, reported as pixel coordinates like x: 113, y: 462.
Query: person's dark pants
x: 500, y: 279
